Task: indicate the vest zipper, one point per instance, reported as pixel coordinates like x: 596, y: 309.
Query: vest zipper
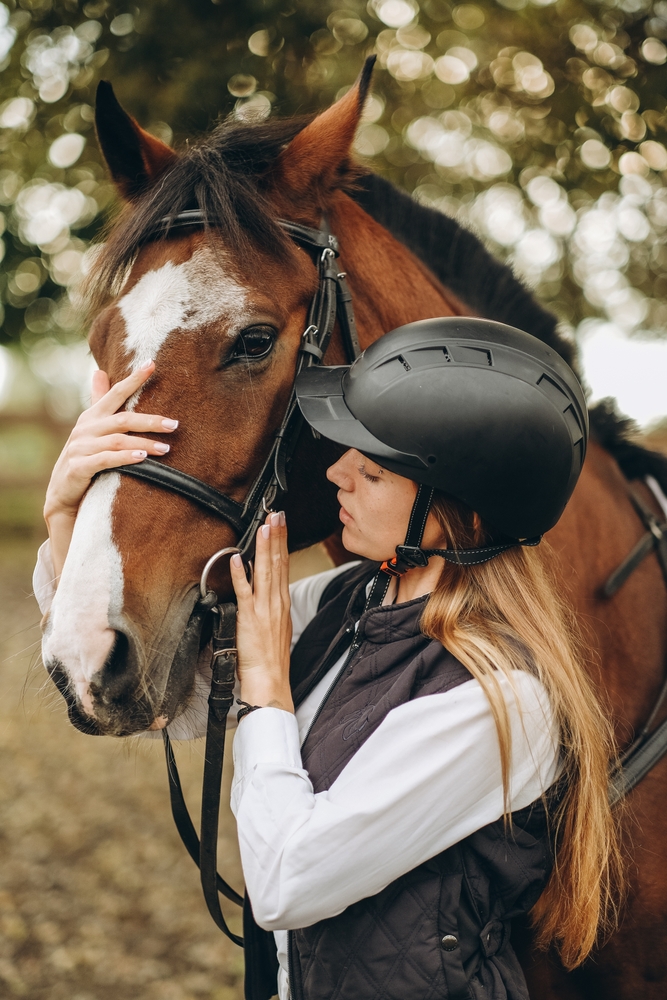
x: 352, y: 650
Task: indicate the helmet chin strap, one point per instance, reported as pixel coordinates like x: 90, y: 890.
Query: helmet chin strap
x: 410, y: 554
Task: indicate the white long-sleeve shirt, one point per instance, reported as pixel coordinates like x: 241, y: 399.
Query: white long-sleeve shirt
x: 426, y: 778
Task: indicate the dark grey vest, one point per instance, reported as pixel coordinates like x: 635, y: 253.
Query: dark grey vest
x: 442, y: 930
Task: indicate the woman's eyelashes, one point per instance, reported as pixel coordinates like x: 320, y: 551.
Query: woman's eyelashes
x: 368, y: 476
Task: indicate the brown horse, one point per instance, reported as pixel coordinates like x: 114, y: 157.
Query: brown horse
x: 222, y: 309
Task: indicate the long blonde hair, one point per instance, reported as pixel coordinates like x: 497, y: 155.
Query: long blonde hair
x: 507, y: 615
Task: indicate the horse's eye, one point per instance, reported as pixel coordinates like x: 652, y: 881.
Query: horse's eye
x: 254, y: 343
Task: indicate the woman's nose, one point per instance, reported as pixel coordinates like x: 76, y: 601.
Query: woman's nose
x: 339, y: 474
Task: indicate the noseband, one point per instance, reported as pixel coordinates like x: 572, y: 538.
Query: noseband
x: 331, y: 301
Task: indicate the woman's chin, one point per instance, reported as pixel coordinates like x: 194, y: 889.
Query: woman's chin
x: 359, y: 547
x: 352, y: 543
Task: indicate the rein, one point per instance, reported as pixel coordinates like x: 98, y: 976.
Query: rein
x: 331, y: 302
x: 647, y: 748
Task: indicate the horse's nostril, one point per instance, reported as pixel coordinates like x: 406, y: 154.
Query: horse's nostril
x: 118, y: 660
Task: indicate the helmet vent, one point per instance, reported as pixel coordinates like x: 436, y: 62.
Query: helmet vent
x: 405, y: 364
x: 472, y: 355
x: 448, y: 356
x: 553, y: 391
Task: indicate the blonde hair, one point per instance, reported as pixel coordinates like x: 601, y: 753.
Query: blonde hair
x: 506, y: 615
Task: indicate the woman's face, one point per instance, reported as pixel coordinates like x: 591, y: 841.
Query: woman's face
x: 375, y: 507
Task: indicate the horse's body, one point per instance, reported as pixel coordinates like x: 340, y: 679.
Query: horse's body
x: 129, y: 583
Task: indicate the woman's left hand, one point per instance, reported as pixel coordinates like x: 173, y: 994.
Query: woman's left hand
x: 264, y: 626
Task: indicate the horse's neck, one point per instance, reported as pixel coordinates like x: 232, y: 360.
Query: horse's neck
x: 389, y: 285
x: 628, y: 633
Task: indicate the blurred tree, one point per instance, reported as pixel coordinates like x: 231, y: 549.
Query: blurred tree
x: 542, y: 124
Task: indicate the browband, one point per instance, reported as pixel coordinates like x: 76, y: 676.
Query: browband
x: 305, y: 236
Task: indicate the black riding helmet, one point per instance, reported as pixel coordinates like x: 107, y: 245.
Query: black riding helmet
x: 479, y: 410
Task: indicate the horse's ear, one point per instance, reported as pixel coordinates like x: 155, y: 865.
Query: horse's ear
x: 134, y: 157
x: 314, y: 158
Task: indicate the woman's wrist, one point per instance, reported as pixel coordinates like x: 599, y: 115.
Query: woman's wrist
x: 266, y: 693
x: 56, y: 516
x: 60, y: 525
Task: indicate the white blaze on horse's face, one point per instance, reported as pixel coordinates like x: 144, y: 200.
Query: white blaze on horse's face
x: 90, y: 592
x: 179, y: 297
x: 175, y: 297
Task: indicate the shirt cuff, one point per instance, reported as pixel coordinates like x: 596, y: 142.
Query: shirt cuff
x: 268, y: 736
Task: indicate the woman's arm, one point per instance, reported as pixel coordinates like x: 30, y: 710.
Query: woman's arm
x: 104, y: 437
x: 425, y: 779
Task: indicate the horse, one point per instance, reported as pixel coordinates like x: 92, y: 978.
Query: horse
x: 221, y: 307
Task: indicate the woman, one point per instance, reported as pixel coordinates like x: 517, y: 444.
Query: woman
x: 437, y: 763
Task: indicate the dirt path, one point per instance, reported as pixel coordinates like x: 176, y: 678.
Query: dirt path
x: 98, y: 900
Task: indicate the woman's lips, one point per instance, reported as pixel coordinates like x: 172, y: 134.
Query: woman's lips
x: 345, y: 516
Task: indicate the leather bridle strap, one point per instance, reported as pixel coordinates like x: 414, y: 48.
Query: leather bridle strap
x: 648, y: 748
x: 204, y: 852
x: 331, y: 301
x: 191, y: 488
x: 655, y: 540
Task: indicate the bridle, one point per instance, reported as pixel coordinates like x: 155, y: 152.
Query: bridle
x: 332, y: 301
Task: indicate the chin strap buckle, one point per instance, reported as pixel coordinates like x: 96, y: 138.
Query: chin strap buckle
x: 410, y: 556
x: 389, y: 566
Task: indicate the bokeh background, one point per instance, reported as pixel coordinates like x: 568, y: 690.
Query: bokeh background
x: 542, y: 125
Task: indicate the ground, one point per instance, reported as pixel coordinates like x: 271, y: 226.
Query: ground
x: 98, y: 898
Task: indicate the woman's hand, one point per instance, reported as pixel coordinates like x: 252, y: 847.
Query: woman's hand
x: 103, y: 438
x: 264, y: 626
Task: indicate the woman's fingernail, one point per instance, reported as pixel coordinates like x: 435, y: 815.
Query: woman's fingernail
x: 145, y: 365
x: 139, y: 454
x: 266, y: 530
x: 236, y: 560
x: 274, y: 520
x: 161, y: 448
x: 169, y: 425
x: 283, y: 519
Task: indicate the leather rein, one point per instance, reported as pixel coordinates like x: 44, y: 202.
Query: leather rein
x: 649, y: 745
x: 332, y: 301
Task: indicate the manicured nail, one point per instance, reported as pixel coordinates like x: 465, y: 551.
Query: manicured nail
x: 266, y: 530
x: 139, y: 454
x: 283, y: 520
x: 161, y: 448
x: 169, y: 425
x: 236, y: 560
x: 274, y: 520
x: 145, y: 365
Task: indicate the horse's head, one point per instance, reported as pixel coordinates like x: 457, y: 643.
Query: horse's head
x: 221, y: 310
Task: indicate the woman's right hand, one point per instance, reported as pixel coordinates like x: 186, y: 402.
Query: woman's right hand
x: 104, y: 437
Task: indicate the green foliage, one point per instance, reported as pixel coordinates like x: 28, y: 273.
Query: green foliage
x: 542, y: 125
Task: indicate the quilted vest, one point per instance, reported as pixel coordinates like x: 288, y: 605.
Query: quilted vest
x: 441, y: 931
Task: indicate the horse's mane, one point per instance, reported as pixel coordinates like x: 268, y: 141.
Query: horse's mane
x: 223, y: 176
x: 460, y: 261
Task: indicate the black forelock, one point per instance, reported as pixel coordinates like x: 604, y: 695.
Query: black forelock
x: 222, y: 176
